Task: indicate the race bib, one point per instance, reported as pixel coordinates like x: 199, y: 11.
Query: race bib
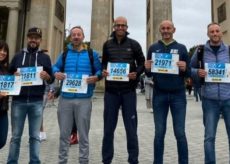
x: 30, y: 76
x: 217, y: 72
x: 10, y: 85
x: 118, y: 71
x: 165, y: 63
x: 75, y: 83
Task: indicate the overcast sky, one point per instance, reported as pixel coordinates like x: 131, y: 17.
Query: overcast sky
x: 190, y: 18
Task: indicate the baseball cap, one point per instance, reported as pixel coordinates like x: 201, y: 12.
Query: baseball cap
x: 34, y: 31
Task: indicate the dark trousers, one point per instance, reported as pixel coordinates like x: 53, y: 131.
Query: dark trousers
x: 4, y: 129
x: 112, y: 103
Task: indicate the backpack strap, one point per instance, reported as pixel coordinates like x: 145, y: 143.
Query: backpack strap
x: 200, y: 56
x: 64, y: 55
x: 200, y: 60
x: 229, y: 51
x: 90, y: 53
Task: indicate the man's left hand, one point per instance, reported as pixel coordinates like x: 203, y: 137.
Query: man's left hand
x: 182, y: 65
x: 132, y: 75
x: 92, y: 79
x: 44, y: 76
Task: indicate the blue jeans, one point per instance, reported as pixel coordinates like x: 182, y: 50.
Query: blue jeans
x: 211, y: 115
x: 176, y: 101
x: 19, y: 111
x: 112, y: 103
x: 4, y: 129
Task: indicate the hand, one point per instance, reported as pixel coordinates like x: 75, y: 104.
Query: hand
x: 182, y: 65
x: 92, y: 79
x: 59, y: 76
x: 201, y: 73
x: 2, y: 94
x: 148, y: 64
x: 44, y: 75
x: 17, y: 73
x: 105, y: 73
x: 132, y: 75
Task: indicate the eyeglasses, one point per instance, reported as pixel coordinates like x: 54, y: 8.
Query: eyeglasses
x: 120, y: 25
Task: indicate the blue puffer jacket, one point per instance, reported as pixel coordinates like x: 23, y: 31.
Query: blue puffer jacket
x: 78, y: 62
x: 170, y: 82
x: 215, y: 91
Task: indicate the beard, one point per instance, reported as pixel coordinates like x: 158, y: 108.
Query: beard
x: 32, y: 46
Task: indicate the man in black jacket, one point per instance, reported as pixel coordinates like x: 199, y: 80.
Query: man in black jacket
x: 123, y: 63
x: 34, y: 67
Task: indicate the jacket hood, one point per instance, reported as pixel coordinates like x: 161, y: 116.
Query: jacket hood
x: 27, y: 51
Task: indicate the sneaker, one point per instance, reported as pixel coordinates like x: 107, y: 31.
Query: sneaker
x: 42, y: 136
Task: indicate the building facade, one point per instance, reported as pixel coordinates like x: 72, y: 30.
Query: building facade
x: 221, y: 15
x: 17, y: 16
x: 157, y: 10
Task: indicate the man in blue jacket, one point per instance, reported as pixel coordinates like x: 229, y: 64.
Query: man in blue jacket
x: 215, y: 92
x: 29, y: 101
x: 75, y: 103
x: 167, y: 62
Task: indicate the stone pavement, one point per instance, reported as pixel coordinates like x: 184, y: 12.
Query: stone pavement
x: 194, y: 130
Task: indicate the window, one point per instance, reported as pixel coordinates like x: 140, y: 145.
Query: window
x: 59, y: 11
x: 221, y: 13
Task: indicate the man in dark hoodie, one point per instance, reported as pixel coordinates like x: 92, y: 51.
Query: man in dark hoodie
x: 123, y: 63
x: 167, y: 62
x: 26, y: 63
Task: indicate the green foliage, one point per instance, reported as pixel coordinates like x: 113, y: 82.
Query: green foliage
x: 191, y: 50
x: 66, y: 41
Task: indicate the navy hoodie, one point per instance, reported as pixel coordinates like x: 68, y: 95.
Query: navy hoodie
x: 26, y: 58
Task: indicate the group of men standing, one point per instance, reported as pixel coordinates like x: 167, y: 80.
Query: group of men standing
x: 123, y: 57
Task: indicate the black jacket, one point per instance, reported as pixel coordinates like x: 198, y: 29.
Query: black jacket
x: 128, y: 51
x: 4, y: 106
x: 28, y: 59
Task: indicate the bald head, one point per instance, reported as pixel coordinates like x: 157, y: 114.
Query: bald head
x: 167, y: 22
x: 120, y: 27
x: 120, y: 19
x: 167, y: 30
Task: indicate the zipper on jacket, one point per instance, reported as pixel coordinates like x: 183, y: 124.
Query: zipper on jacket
x: 218, y: 84
x: 28, y: 90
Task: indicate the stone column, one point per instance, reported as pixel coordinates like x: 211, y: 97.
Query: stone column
x: 157, y: 10
x: 101, y: 23
x: 11, y: 37
x: 101, y: 27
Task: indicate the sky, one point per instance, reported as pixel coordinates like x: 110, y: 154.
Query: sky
x: 189, y: 17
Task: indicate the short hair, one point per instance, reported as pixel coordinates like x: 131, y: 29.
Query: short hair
x: 78, y: 27
x: 213, y: 23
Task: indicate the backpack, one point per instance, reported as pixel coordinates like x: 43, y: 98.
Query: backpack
x: 57, y: 91
x: 200, y: 59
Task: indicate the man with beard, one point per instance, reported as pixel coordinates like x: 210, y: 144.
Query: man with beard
x: 34, y: 67
x: 167, y: 62
x: 78, y: 68
x: 213, y: 66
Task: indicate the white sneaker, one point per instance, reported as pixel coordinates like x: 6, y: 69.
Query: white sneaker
x: 42, y: 136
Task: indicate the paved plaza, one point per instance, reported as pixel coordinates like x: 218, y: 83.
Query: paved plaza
x: 194, y: 130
